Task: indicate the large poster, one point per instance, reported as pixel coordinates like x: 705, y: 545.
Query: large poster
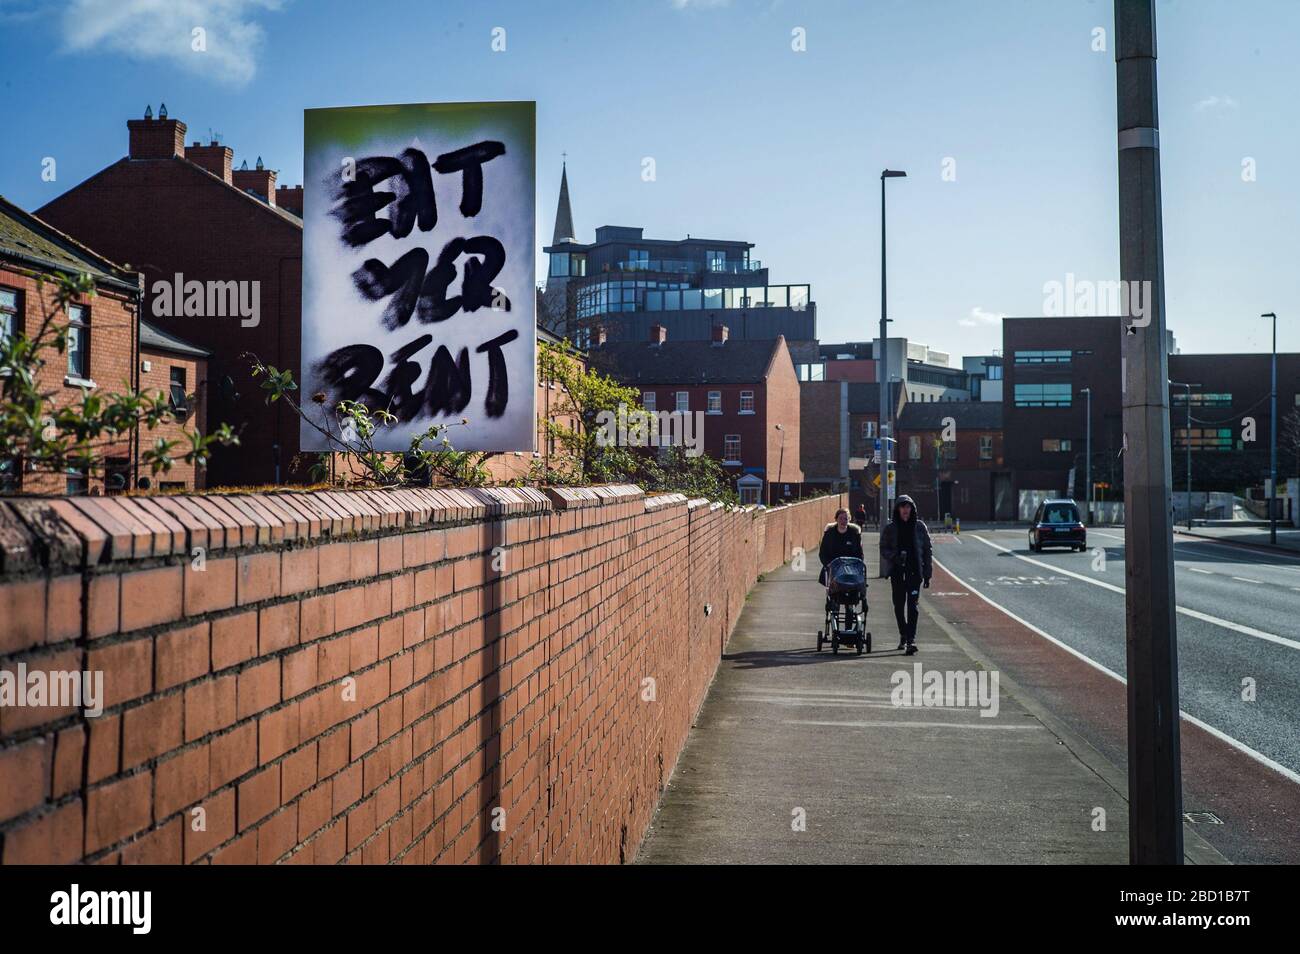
x: 418, y: 272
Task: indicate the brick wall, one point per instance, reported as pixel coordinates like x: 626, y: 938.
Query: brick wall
x: 366, y: 677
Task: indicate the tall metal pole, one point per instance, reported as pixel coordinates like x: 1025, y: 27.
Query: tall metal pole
x: 885, y: 429
x: 1088, y: 452
x: 1154, y: 759
x: 1272, y: 453
x: 1188, y: 443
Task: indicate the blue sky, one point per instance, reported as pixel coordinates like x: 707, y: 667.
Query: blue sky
x: 752, y: 139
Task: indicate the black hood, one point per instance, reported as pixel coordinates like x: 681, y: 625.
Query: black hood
x: 905, y: 499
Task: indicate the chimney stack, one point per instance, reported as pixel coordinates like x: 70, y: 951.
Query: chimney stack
x: 289, y: 198
x: 658, y: 335
x: 214, y: 157
x: 719, y: 335
x: 259, y: 181
x: 160, y: 138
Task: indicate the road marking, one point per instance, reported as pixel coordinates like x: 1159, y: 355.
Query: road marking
x: 1243, y: 579
x: 1197, y: 569
x: 1241, y: 747
x: 1239, y: 548
x: 905, y: 724
x: 1194, y: 614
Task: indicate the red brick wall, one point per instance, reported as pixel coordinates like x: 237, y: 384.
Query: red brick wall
x: 227, y: 688
x: 112, y: 341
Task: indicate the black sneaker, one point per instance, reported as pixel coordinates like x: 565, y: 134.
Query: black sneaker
x: 911, y: 649
x: 902, y: 642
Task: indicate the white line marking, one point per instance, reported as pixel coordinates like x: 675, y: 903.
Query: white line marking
x: 904, y: 724
x: 1197, y: 569
x: 1240, y: 549
x: 1243, y: 579
x: 1194, y: 614
x: 1221, y: 736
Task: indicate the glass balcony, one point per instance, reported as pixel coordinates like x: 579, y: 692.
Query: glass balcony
x: 683, y: 266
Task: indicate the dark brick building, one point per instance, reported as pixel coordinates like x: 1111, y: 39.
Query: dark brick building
x: 1047, y: 362
x: 746, y: 391
x: 966, y: 476
x: 169, y: 210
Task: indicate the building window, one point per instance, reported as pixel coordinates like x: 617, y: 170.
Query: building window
x: 811, y: 372
x: 78, y: 343
x: 914, y: 447
x: 749, y: 495
x: 993, y: 372
x: 1044, y: 395
x: 179, y: 400
x: 638, y: 259
x: 868, y: 430
x: 578, y: 265
x: 986, y: 447
x: 560, y: 264
x: 1054, y: 445
x: 746, y: 402
x: 77, y: 482
x: 1204, y: 438
x: 8, y: 313
x: 1200, y: 399
x: 648, y: 400
x: 949, y: 450
x: 1043, y: 357
x: 731, y: 449
x: 715, y: 402
x: 683, y: 401
x: 716, y: 260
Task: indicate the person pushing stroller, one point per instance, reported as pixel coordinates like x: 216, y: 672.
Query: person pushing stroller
x: 840, y: 539
x: 905, y: 560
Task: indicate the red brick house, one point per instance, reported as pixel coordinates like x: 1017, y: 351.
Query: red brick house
x: 744, y: 393
x: 187, y: 221
x: 109, y: 348
x: 962, y: 476
x: 180, y: 370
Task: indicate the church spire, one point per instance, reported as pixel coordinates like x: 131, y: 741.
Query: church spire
x: 563, y: 213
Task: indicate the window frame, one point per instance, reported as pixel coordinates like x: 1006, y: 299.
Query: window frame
x: 727, y: 441
x: 82, y: 325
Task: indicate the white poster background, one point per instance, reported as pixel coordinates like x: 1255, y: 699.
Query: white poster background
x: 335, y: 314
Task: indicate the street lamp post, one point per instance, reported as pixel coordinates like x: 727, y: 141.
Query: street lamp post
x: 885, y: 417
x: 1272, y: 452
x: 1187, y: 442
x: 1088, y: 452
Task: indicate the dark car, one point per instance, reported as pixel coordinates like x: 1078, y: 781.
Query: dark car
x: 1056, y: 524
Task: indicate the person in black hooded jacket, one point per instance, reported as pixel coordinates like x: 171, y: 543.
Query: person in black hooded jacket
x: 905, y: 560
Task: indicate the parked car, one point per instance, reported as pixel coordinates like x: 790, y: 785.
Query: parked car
x: 1056, y: 523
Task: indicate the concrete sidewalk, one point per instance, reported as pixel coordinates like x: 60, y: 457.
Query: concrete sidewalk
x: 787, y: 733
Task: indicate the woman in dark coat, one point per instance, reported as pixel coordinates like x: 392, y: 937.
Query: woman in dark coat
x: 840, y: 539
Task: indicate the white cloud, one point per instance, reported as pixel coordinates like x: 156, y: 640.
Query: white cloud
x: 699, y: 4
x: 1216, y: 102
x: 165, y: 29
x: 979, y: 318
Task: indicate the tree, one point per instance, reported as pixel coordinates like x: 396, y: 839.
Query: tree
x: 39, y: 436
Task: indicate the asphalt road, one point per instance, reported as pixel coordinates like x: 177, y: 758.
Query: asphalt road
x: 1238, y: 622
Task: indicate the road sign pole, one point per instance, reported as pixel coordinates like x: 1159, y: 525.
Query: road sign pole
x: 1154, y: 760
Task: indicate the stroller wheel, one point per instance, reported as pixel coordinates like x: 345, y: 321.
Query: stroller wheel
x: 861, y: 643
x: 868, y: 642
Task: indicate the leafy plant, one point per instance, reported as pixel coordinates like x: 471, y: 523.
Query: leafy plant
x: 39, y: 434
x: 351, y: 430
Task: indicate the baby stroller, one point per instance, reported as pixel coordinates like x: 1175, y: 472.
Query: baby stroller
x: 846, y: 606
